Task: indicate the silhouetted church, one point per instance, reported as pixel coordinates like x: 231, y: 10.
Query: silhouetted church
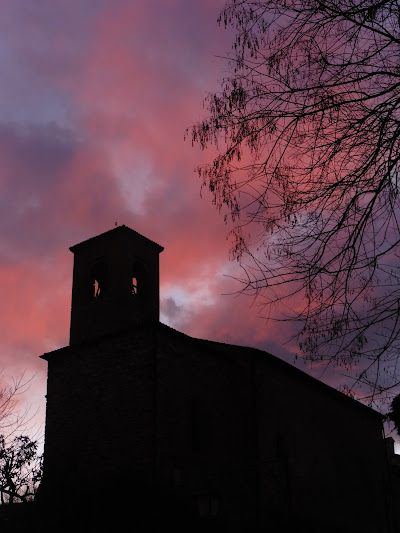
x: 165, y: 430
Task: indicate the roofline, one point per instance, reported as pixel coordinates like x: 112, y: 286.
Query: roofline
x: 217, y: 348
x: 260, y: 354
x: 119, y: 229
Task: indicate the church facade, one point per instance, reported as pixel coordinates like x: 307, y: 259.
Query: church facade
x: 146, y: 423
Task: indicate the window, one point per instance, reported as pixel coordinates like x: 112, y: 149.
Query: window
x: 96, y: 288
x: 134, y: 285
x: 138, y: 279
x: 207, y: 505
x: 98, y: 280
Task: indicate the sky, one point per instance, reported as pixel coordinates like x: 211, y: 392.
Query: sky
x: 95, y: 98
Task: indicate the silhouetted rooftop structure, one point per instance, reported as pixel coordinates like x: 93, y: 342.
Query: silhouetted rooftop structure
x: 173, y: 431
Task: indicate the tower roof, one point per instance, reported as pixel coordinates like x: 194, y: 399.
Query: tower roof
x: 119, y: 231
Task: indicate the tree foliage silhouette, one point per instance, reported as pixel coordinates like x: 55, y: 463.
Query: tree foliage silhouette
x: 307, y: 126
x: 394, y: 413
x: 20, y: 469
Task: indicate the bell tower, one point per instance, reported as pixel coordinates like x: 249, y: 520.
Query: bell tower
x: 115, y: 284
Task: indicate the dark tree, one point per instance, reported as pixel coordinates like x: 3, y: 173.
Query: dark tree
x: 20, y: 469
x: 307, y: 127
x: 394, y: 413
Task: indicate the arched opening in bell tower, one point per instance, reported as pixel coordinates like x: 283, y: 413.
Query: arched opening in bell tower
x: 134, y: 285
x: 98, y: 280
x: 138, y: 275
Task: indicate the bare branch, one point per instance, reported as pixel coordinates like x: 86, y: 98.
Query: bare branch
x: 308, y: 131
x: 13, y: 418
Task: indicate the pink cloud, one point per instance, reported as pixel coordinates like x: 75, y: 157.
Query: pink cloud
x: 98, y: 98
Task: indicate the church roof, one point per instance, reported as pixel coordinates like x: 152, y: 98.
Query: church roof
x: 232, y: 350
x: 229, y: 351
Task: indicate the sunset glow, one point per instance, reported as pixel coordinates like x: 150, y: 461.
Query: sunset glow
x: 95, y: 101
